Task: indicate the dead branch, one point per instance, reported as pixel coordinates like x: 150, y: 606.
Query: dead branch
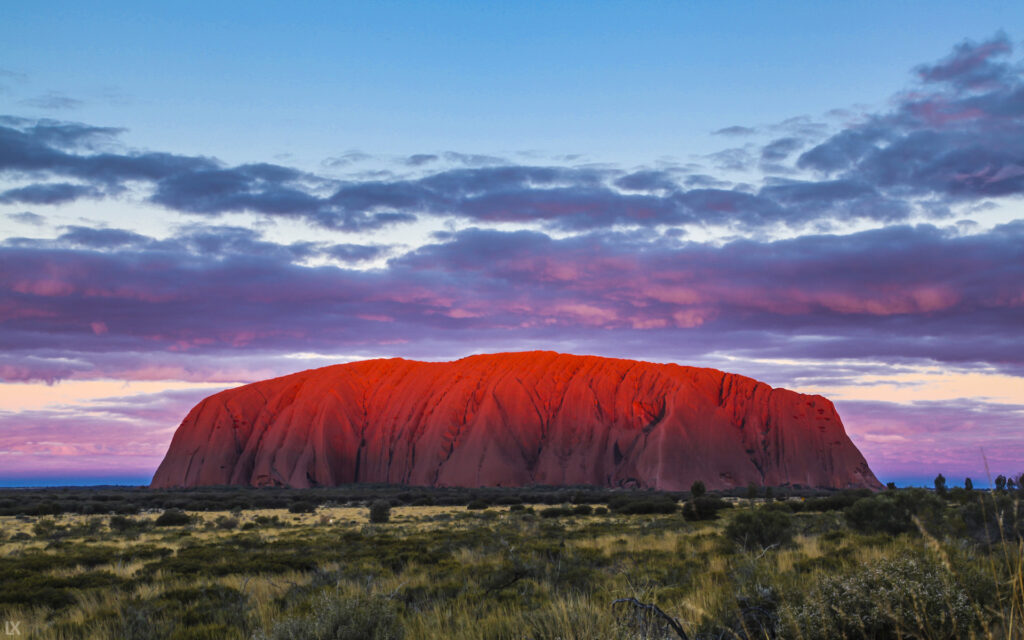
x: 640, y: 608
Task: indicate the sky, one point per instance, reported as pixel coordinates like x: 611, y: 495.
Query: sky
x: 822, y: 196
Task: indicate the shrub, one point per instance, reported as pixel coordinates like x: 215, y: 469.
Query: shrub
x: 908, y: 597
x: 761, y: 528
x: 704, y: 508
x: 45, y: 528
x: 697, y: 489
x: 990, y: 518
x: 878, y: 514
x: 123, y: 524
x: 753, y: 491
x: 226, y: 523
x: 555, y: 512
x: 380, y: 511
x: 836, y: 501
x: 644, y: 504
x: 302, y: 506
x: 479, y: 504
x: 582, y: 510
x: 334, y: 618
x: 894, y: 513
x: 173, y: 518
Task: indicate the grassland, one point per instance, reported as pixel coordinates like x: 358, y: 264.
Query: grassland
x: 902, y: 564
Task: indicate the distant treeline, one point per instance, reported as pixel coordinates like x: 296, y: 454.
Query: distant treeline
x: 132, y: 500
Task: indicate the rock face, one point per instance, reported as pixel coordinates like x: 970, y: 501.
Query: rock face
x: 512, y: 419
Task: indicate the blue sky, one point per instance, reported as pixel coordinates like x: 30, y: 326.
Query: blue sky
x: 824, y: 196
x: 617, y: 81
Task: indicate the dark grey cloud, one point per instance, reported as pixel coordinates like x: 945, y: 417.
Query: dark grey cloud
x: 736, y: 159
x: 27, y: 217
x: 49, y: 193
x: 972, y: 65
x: 472, y: 159
x: 779, y: 149
x: 958, y: 137
x: 230, y: 241
x: 735, y: 130
x: 346, y: 159
x: 420, y: 159
x: 101, y: 238
x: 647, y: 181
x: 68, y: 136
x: 355, y: 252
x: 45, y: 148
x: 264, y: 188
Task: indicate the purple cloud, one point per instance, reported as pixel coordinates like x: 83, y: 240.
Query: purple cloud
x: 958, y: 438
x: 898, y: 292
x: 958, y: 136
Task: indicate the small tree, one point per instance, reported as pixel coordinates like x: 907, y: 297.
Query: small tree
x: 697, y: 489
x: 1000, y: 483
x: 968, y: 484
x: 380, y: 511
x: 940, y: 485
x: 752, y: 492
x: 760, y: 528
x: 769, y: 494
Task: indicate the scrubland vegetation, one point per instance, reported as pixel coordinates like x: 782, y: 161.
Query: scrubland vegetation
x: 391, y: 563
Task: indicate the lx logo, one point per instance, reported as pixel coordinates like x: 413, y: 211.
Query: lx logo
x: 12, y: 628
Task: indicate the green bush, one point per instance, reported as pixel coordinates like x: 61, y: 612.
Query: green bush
x: 302, y: 506
x: 123, y: 524
x: 555, y: 512
x: 335, y: 618
x: 627, y: 504
x: 704, y: 508
x: 380, y: 512
x: 835, y: 502
x: 226, y: 523
x: 910, y: 597
x: 173, y: 518
x: 760, y: 528
x: 871, y: 515
x: 894, y: 513
x: 697, y: 489
x: 45, y: 528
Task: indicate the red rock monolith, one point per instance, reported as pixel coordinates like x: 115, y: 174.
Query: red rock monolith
x: 513, y: 419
